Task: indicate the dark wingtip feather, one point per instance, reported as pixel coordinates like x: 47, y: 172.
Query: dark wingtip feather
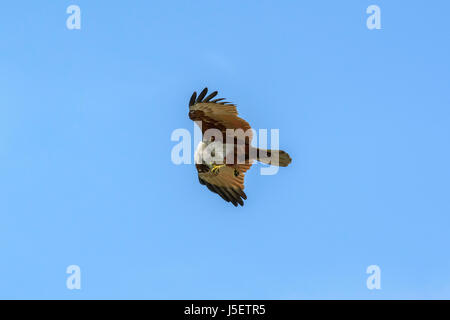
x: 212, y: 95
x: 234, y: 195
x: 220, y: 193
x: 237, y: 196
x: 202, y: 95
x: 192, y: 101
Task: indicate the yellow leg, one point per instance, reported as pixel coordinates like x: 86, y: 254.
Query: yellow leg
x: 215, y: 168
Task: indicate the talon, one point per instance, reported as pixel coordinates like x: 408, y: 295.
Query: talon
x: 215, y: 169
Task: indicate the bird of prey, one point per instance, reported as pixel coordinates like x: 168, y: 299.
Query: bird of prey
x: 226, y: 176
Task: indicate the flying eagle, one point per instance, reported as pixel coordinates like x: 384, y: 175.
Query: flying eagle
x: 226, y: 176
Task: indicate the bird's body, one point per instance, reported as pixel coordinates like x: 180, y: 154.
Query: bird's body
x: 203, y: 146
x: 225, y: 152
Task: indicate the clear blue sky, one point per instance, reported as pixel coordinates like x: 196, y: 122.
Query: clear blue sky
x: 86, y: 176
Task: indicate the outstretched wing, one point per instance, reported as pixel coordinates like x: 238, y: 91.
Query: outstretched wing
x: 216, y: 114
x: 226, y: 184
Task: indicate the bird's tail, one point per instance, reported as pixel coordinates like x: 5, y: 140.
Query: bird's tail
x: 274, y: 157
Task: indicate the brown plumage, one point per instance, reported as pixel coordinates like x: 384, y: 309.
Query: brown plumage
x: 218, y: 114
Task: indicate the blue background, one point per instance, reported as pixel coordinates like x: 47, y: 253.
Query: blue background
x: 86, y: 176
